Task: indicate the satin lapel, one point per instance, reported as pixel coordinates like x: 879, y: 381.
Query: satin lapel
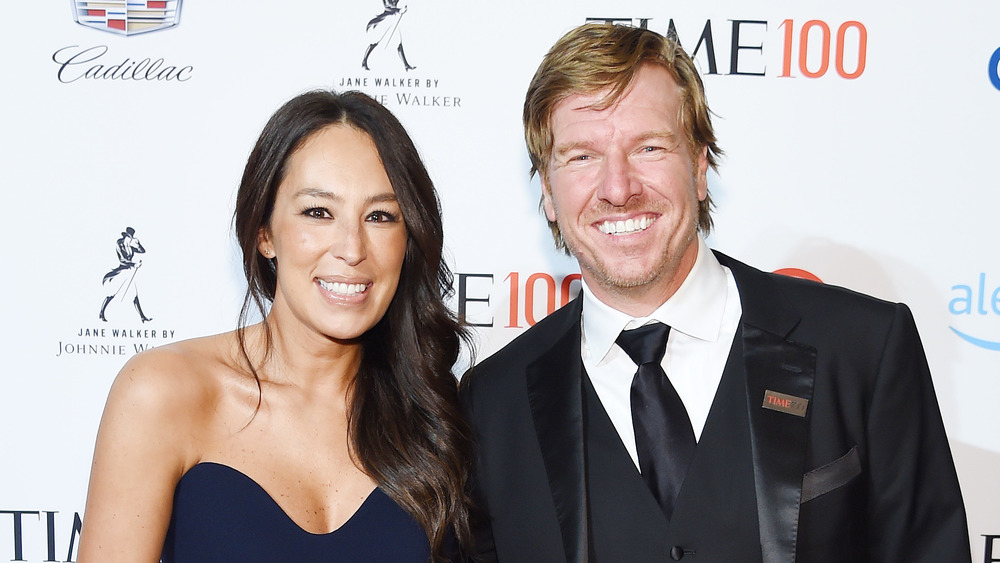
x: 778, y: 438
x: 555, y: 395
x: 774, y: 362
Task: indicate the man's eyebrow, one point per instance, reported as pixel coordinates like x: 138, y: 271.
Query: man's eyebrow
x: 567, y: 147
x: 663, y: 135
x: 657, y: 135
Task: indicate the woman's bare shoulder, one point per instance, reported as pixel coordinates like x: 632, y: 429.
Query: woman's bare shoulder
x: 161, y: 418
x: 177, y: 367
x: 181, y: 383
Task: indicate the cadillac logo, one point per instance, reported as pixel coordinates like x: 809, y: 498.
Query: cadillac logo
x: 128, y: 17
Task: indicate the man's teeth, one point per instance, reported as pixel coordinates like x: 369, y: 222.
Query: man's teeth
x: 627, y: 226
x: 343, y: 288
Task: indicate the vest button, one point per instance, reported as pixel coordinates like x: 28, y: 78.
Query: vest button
x: 676, y: 553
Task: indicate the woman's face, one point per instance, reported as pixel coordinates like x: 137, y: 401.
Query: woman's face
x: 337, y: 234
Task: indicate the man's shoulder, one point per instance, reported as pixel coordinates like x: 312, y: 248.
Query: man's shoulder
x: 809, y: 299
x: 527, y: 347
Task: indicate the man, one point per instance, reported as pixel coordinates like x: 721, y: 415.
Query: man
x: 786, y: 420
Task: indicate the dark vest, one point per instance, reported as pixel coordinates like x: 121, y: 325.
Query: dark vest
x: 715, y: 518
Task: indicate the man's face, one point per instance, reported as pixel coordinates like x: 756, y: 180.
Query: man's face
x: 624, y: 188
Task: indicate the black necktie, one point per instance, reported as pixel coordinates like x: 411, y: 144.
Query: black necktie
x: 664, y: 438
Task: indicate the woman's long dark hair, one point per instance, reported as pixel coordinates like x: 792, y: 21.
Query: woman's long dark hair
x: 404, y: 424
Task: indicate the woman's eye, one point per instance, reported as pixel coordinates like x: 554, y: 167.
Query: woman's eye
x: 316, y: 213
x: 382, y: 217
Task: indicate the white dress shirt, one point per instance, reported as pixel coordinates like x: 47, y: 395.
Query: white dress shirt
x: 703, y: 315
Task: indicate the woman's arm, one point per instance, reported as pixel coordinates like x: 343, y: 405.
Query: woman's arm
x: 142, y: 446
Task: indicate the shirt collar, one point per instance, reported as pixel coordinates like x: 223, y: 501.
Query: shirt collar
x: 695, y: 309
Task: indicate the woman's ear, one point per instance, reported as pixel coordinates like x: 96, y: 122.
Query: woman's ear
x: 264, y: 245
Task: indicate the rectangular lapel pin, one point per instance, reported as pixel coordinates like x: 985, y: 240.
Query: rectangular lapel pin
x: 787, y: 404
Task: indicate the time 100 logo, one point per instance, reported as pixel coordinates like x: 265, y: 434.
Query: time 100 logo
x: 530, y: 297
x: 807, y: 49
x: 817, y: 34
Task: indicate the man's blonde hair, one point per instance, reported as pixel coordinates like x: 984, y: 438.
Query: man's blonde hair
x: 597, y: 57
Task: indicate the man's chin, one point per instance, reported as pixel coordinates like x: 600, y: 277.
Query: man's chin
x: 619, y: 281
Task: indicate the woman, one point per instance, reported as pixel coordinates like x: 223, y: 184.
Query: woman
x: 330, y: 431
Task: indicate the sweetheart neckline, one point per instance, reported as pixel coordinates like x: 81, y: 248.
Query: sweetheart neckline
x: 270, y: 498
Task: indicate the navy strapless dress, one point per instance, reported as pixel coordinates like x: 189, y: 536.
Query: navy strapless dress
x: 222, y: 515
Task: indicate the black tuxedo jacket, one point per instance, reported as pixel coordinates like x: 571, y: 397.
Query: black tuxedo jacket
x: 865, y: 475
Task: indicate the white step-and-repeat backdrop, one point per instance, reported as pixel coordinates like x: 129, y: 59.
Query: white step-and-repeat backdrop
x: 861, y: 144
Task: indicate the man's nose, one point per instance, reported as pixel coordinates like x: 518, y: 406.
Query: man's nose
x: 618, y: 183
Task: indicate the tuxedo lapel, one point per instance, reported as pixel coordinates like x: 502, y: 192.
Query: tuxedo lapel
x: 780, y: 372
x: 555, y: 396
x: 778, y: 438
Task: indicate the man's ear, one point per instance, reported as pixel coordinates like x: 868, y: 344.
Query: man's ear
x: 547, y: 205
x: 701, y: 173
